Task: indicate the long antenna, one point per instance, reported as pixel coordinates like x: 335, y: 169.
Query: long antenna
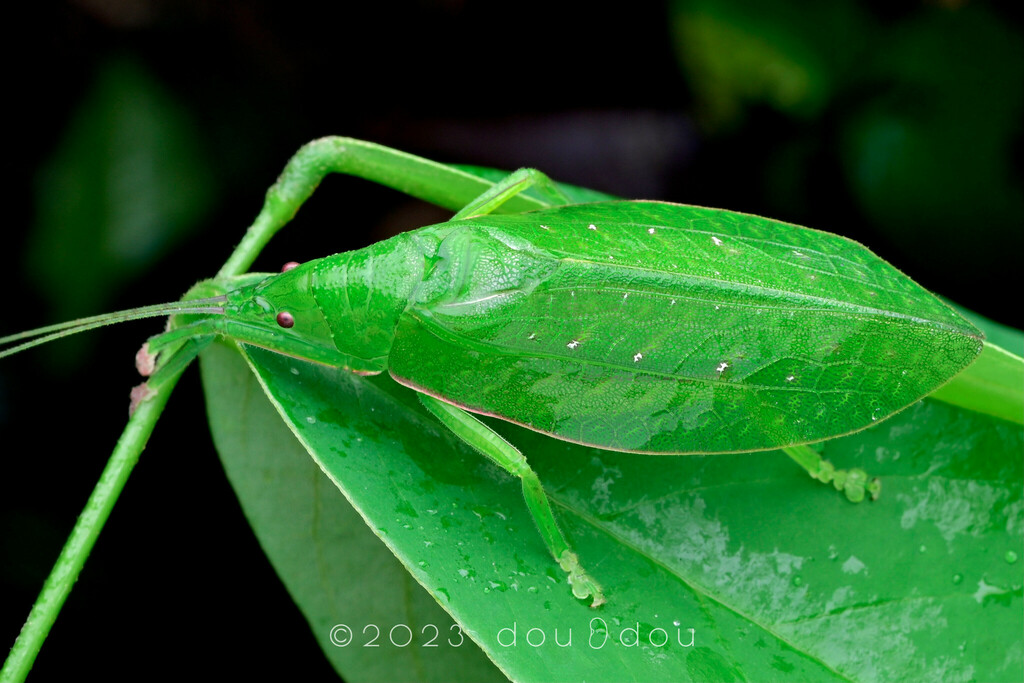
x: 52, y: 332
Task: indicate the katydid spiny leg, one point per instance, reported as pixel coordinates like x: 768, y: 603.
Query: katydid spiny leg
x: 510, y: 186
x: 428, y: 180
x: 485, y: 440
x: 489, y: 443
x: 853, y: 483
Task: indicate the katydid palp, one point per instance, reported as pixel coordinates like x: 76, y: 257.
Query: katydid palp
x: 635, y: 326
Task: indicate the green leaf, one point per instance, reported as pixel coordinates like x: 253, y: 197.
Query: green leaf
x: 780, y: 578
x: 336, y: 570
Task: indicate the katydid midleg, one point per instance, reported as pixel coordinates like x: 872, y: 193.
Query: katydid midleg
x: 634, y: 326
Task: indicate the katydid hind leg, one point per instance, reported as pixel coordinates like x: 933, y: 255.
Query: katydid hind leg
x: 428, y: 180
x: 488, y: 442
x: 508, y: 187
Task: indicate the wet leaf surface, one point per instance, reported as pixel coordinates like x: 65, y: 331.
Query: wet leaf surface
x: 726, y: 567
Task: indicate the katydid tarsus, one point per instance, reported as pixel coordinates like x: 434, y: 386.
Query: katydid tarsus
x: 645, y: 327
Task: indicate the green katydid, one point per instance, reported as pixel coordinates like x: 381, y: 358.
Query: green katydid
x: 634, y: 326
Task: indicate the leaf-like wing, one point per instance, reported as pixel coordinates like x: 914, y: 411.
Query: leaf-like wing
x: 662, y: 328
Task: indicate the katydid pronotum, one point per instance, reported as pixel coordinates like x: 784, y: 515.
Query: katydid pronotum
x: 635, y: 326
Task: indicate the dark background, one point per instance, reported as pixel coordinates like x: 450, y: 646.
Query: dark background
x: 142, y: 135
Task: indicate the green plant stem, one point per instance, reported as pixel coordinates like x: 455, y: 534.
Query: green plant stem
x: 112, y: 481
x: 300, y: 178
x: 69, y: 564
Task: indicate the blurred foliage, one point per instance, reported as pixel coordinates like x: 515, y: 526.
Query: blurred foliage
x: 917, y: 109
x: 793, y: 56
x: 930, y: 154
x: 127, y: 181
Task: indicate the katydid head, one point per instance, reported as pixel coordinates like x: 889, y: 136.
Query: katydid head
x: 340, y: 310
x: 280, y: 313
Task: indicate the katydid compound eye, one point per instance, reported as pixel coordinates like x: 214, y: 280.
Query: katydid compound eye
x: 285, y: 319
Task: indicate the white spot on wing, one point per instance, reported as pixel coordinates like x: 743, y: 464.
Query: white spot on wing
x: 717, y: 241
x: 650, y: 231
x: 591, y: 227
x: 722, y: 367
x: 638, y: 357
x: 544, y: 227
x: 573, y: 344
